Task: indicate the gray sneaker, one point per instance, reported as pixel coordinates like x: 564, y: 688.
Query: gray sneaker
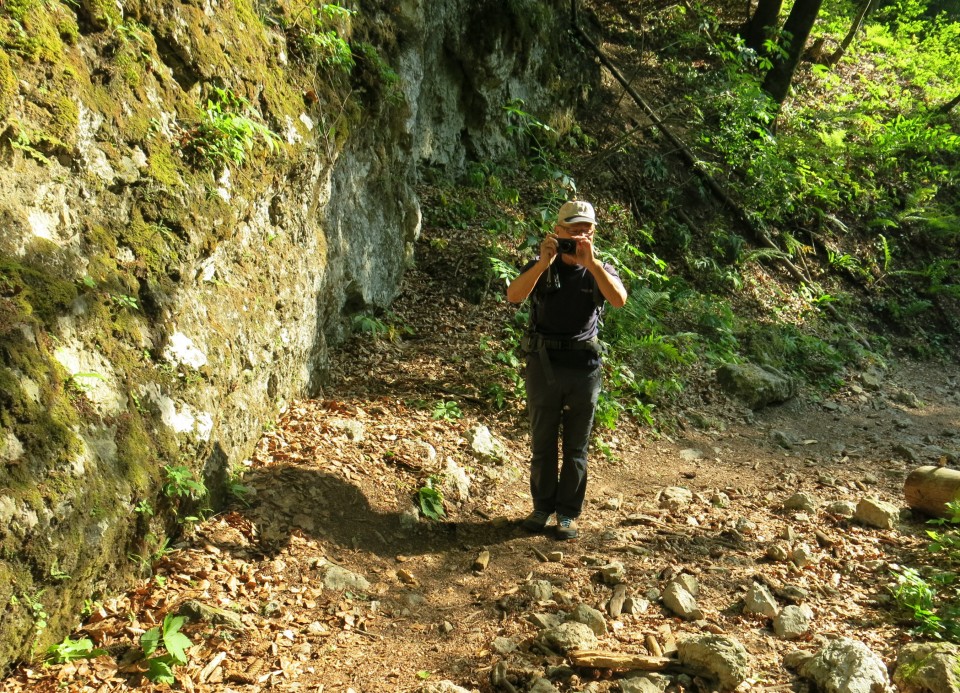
x: 566, y: 527
x: 536, y: 521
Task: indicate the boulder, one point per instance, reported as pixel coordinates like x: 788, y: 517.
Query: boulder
x: 755, y: 386
x: 846, y: 666
x: 929, y: 667
x: 718, y: 657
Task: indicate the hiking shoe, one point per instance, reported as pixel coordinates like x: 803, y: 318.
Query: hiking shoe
x: 566, y: 527
x: 536, y: 521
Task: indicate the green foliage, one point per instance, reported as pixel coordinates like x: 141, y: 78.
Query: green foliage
x: 931, y: 594
x: 367, y: 324
x: 546, y: 160
x: 176, y: 644
x: 144, y: 508
x: 125, y: 301
x: 317, y: 33
x: 430, y: 499
x: 388, y: 77
x: 235, y: 486
x: 447, y: 410
x: 228, y: 131
x: 69, y: 650
x: 181, y: 483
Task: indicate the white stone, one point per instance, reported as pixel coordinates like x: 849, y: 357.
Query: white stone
x: 224, y: 189
x: 181, y: 421
x: 93, y: 375
x: 181, y: 350
x: 12, y: 449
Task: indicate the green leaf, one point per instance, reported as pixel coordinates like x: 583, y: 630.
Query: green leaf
x: 431, y: 502
x: 160, y: 671
x: 69, y: 650
x: 150, y: 640
x: 177, y: 644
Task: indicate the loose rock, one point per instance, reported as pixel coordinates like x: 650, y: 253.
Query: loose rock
x: 932, y: 667
x: 793, y: 621
x: 847, y: 666
x: 681, y: 602
x: 718, y: 657
x: 877, y: 513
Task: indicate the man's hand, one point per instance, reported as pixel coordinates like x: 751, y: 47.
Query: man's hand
x: 584, y: 254
x: 548, y: 249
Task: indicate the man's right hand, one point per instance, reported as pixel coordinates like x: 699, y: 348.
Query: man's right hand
x: 548, y: 250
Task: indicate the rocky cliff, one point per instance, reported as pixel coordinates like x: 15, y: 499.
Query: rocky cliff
x: 194, y: 198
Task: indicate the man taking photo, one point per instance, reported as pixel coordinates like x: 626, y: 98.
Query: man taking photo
x: 563, y: 362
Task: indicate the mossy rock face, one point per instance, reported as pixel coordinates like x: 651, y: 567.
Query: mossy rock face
x: 8, y: 82
x: 206, y: 291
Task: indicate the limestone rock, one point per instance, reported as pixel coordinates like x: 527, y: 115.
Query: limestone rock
x: 613, y: 573
x: 589, y: 616
x: 754, y: 385
x: 842, y: 508
x: 198, y: 611
x: 847, y: 666
x: 681, y: 602
x: 877, y: 513
x: 645, y: 683
x: 793, y: 621
x: 675, y: 498
x: 542, y: 685
x: 484, y: 445
x: 759, y: 600
x: 718, y: 657
x: 443, y: 687
x: 569, y: 636
x: 804, y: 502
x: 932, y: 667
x: 338, y: 579
x: 539, y: 590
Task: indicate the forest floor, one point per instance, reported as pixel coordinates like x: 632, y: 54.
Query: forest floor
x: 336, y: 480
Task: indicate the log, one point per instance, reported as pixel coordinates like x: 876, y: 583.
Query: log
x: 929, y: 489
x: 599, y: 659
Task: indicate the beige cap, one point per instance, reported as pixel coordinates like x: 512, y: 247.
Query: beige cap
x: 576, y: 212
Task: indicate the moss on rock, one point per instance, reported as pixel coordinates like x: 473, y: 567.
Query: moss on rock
x: 8, y: 82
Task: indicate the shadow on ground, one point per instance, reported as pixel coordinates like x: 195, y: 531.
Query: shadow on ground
x: 290, y: 499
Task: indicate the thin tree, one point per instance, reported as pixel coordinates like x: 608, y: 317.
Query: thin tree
x: 762, y: 24
x: 848, y: 39
x: 796, y: 31
x: 947, y: 107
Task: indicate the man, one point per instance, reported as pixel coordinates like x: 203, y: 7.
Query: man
x: 563, y: 361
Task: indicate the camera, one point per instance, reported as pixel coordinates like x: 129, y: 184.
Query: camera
x: 567, y: 245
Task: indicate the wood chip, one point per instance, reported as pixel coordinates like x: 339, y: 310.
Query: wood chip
x: 599, y: 659
x: 481, y: 562
x: 211, y: 666
x: 615, y: 606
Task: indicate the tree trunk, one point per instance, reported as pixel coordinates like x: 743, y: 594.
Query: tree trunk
x: 947, y: 107
x: 848, y: 39
x: 760, y: 27
x: 797, y: 29
x: 929, y: 489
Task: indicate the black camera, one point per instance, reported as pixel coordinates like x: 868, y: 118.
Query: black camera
x: 567, y: 245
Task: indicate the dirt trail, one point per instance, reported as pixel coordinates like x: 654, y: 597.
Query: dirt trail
x: 334, y: 484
